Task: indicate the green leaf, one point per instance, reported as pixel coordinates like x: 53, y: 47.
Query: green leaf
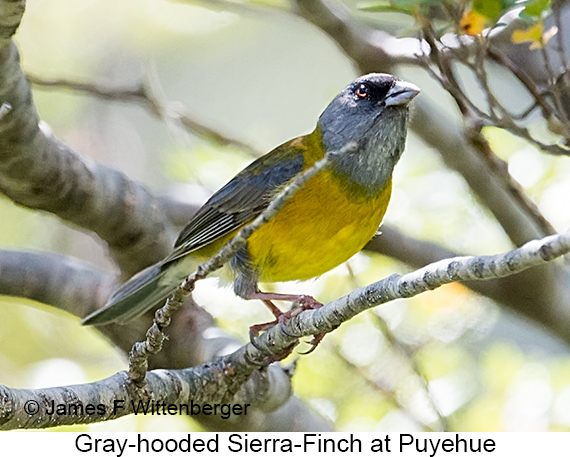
x: 535, y: 7
x: 493, y: 9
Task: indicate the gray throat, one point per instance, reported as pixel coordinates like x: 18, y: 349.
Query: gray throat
x: 370, y: 166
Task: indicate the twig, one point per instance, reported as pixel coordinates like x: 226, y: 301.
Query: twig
x: 121, y: 94
x: 552, y: 149
x: 500, y: 168
x: 447, y: 78
x: 385, y: 390
x: 138, y: 360
x: 146, y: 95
x: 478, y: 68
x: 557, y: 9
x: 502, y: 59
x: 384, y: 328
x: 469, y: 110
x: 555, y: 90
x: 410, y: 357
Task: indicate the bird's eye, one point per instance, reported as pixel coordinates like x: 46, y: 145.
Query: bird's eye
x: 362, y: 91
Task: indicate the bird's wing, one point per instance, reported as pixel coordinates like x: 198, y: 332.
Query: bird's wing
x: 241, y: 199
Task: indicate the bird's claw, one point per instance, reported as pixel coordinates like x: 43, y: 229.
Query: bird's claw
x: 305, y: 302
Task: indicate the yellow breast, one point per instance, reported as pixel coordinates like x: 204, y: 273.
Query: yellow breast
x: 322, y: 226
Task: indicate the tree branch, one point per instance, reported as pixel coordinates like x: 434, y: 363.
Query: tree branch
x: 210, y: 383
x: 428, y: 121
x: 218, y: 381
x: 11, y: 12
x: 540, y: 294
x: 146, y: 95
x: 55, y: 280
x: 76, y: 287
x: 40, y: 172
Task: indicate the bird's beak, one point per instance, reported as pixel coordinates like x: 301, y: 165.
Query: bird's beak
x: 401, y: 93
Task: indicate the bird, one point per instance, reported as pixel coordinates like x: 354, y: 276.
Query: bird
x: 322, y: 225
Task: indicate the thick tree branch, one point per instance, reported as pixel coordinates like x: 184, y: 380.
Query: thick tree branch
x: 40, y: 172
x: 68, y: 284
x: 78, y: 288
x: 210, y: 383
x: 11, y: 12
x: 74, y: 286
x: 55, y: 280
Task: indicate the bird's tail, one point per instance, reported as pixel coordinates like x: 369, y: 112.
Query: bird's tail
x: 133, y: 298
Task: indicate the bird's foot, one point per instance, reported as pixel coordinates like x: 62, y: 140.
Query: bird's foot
x: 306, y: 302
x: 254, y: 331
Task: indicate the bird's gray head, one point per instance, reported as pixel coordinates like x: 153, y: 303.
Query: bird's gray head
x: 372, y: 113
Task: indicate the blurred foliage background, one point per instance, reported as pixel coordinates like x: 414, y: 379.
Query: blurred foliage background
x: 257, y: 73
